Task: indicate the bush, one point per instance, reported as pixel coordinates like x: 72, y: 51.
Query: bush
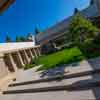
x: 90, y: 49
x: 81, y: 29
x: 28, y: 66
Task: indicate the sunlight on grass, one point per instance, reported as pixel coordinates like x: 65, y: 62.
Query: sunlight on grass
x: 65, y: 56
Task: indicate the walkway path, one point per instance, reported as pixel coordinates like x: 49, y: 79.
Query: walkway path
x: 88, y: 87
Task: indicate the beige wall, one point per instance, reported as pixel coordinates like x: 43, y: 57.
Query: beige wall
x: 3, y: 69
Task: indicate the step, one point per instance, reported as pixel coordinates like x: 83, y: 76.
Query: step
x: 72, y: 87
x: 79, y: 80
x: 66, y: 76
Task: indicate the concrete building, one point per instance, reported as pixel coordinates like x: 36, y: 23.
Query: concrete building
x: 56, y: 33
x: 14, y: 56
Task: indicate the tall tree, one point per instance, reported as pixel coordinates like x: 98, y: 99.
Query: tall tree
x: 18, y: 39
x: 76, y: 11
x: 8, y: 39
x: 37, y: 30
x: 91, y: 2
x: 23, y: 39
x: 81, y: 29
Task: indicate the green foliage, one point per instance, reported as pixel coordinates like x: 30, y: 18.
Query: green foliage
x: 8, y: 39
x: 91, y: 2
x: 90, y: 49
x: 20, y: 39
x: 37, y: 30
x: 81, y: 29
x: 97, y: 39
x: 23, y: 39
x: 28, y: 66
x: 76, y: 11
x: 65, y: 56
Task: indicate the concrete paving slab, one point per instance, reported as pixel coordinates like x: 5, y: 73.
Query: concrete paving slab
x: 5, y: 81
x: 31, y: 74
x: 54, y: 83
x: 62, y: 95
x: 86, y: 94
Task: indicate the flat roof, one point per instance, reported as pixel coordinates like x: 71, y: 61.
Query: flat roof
x: 10, y: 47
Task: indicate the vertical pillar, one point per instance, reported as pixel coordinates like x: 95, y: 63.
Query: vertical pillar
x: 35, y: 52
x: 31, y: 54
x: 20, y: 58
x: 12, y: 62
x: 26, y: 56
x: 38, y: 49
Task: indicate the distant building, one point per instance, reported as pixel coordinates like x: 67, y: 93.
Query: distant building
x: 56, y: 33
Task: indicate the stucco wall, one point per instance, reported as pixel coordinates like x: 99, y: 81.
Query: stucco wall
x: 3, y: 68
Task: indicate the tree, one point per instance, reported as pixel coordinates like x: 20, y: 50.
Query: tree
x: 81, y: 29
x: 76, y: 11
x: 20, y: 39
x: 23, y: 39
x: 8, y: 39
x: 37, y: 30
x: 91, y: 2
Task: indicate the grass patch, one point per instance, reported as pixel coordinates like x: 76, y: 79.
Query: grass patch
x: 28, y: 66
x: 65, y: 56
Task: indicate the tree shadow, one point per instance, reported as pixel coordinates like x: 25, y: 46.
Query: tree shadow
x: 53, y: 72
x: 94, y: 62
x: 95, y: 65
x: 84, y: 85
x: 57, y: 71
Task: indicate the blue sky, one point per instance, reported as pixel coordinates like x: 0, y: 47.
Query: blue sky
x: 24, y: 15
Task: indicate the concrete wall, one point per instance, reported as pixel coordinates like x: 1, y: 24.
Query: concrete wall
x: 3, y: 69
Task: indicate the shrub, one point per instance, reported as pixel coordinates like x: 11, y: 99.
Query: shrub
x: 28, y: 66
x: 81, y: 29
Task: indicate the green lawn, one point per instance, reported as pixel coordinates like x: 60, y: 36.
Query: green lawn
x: 65, y: 56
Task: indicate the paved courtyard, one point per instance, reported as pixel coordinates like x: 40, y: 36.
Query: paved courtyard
x: 91, y: 93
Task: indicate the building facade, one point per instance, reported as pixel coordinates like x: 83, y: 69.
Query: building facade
x: 56, y: 33
x: 14, y: 56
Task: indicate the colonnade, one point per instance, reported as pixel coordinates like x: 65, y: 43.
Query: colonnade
x: 17, y: 59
